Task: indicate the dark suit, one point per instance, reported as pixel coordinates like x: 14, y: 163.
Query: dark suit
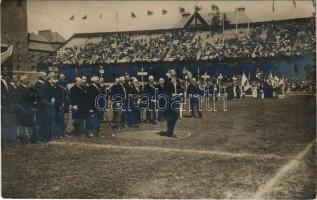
x: 118, y: 97
x: 133, y: 112
x: 61, y: 107
x: 194, y: 94
x: 25, y: 114
x: 43, y: 94
x: 149, y: 90
x: 172, y: 90
x: 8, y: 114
x: 94, y: 119
x: 78, y: 98
x: 161, y: 101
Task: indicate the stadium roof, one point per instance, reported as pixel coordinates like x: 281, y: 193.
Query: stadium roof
x: 40, y: 46
x: 56, y: 37
x: 185, y: 22
x: 52, y: 37
x: 181, y: 23
x: 37, y: 38
x: 46, y: 40
x: 242, y: 18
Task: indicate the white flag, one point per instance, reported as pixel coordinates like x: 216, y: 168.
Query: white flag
x: 7, y: 54
x: 245, y: 82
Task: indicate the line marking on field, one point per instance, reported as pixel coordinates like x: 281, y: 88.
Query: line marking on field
x: 166, y: 149
x: 291, y: 165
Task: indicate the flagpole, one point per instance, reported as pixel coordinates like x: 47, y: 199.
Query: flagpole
x: 248, y: 26
x: 223, y: 28
x: 236, y: 22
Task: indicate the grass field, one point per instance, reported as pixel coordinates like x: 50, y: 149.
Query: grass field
x: 258, y: 149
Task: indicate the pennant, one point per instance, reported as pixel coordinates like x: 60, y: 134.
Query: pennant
x: 214, y: 7
x: 240, y: 9
x: 185, y: 14
x: 164, y: 11
x: 258, y: 74
x: 181, y: 10
x: 72, y: 17
x: 149, y: 12
x: 7, y: 54
x: 187, y: 72
x: 245, y: 82
x: 197, y: 8
x: 133, y: 15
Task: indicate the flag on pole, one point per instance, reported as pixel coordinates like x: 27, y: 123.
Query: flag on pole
x: 6, y: 54
x: 214, y: 7
x: 240, y: 9
x: 149, y: 12
x: 185, y: 14
x: 270, y: 75
x: 276, y: 78
x: 187, y: 73
x: 181, y: 10
x: 197, y: 8
x: 245, y: 82
x: 164, y: 11
x: 258, y: 74
x: 72, y: 17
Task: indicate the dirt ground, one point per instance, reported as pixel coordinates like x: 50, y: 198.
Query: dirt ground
x: 258, y: 149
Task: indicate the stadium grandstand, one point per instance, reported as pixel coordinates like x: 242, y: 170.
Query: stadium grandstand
x: 195, y: 38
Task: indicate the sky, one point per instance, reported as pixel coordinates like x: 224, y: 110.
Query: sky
x: 110, y: 16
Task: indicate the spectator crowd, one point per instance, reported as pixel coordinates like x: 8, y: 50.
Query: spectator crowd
x: 269, y: 40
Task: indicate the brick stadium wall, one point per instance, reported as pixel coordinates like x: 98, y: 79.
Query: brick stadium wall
x: 14, y: 31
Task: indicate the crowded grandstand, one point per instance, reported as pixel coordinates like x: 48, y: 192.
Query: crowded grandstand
x: 260, y: 40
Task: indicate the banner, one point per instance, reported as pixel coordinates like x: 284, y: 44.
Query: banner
x: 7, y: 54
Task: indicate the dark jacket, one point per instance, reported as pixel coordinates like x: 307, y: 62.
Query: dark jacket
x: 149, y: 90
x: 25, y: 104
x: 172, y: 113
x: 194, y: 90
x: 118, y: 90
x: 170, y: 88
x: 78, y: 98
x: 92, y: 94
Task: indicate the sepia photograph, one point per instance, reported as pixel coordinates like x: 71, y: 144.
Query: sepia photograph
x: 158, y: 99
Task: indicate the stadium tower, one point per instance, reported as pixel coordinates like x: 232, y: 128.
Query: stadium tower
x: 14, y: 32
